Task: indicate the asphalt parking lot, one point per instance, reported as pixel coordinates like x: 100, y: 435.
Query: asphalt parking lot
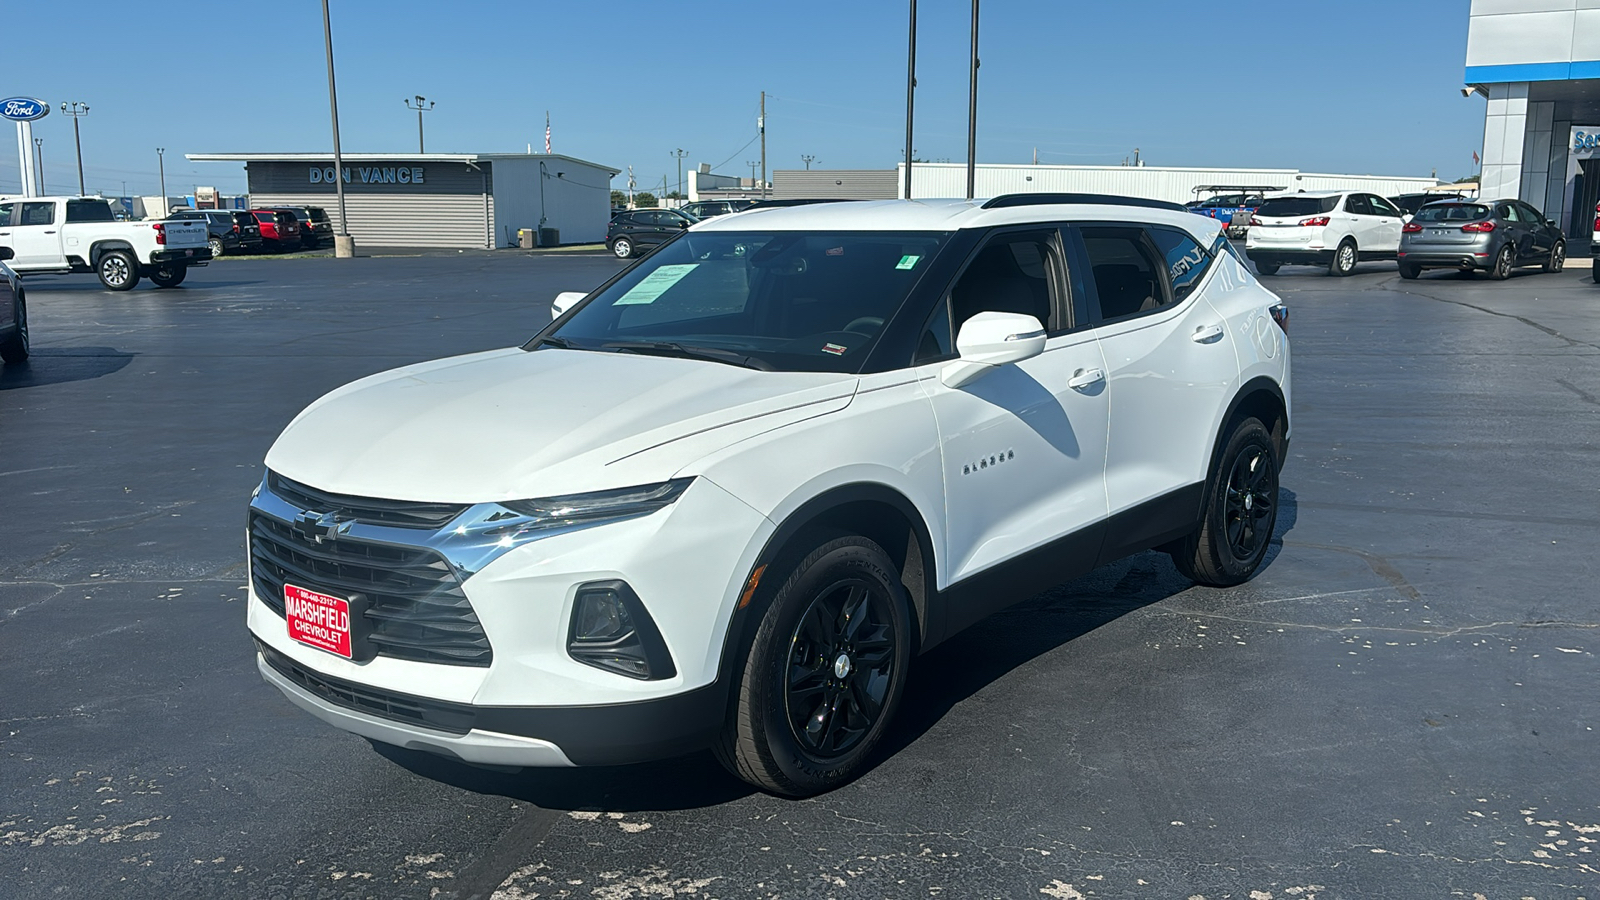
x: 1401, y: 704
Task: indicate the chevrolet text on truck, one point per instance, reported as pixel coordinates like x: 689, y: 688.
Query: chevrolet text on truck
x: 72, y: 235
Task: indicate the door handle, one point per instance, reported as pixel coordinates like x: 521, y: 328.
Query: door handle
x: 1083, y: 378
x: 50, y: 232
x: 1206, y: 334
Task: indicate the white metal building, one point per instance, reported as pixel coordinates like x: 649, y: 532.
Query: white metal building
x: 1538, y: 62
x: 460, y: 200
x: 1174, y: 184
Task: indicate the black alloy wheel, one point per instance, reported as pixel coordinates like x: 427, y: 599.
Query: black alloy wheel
x: 841, y: 659
x: 1504, y: 261
x: 1241, y: 509
x: 823, y: 674
x: 14, y: 349
x: 1558, y: 257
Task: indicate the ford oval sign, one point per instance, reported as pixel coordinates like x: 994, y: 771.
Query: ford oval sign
x: 24, y: 109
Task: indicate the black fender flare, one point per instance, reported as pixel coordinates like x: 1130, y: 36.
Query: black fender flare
x: 100, y: 248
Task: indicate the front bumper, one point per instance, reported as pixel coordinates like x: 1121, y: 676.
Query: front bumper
x: 687, y: 563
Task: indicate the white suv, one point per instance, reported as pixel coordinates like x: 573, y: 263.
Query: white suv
x: 724, y: 499
x: 1335, y: 230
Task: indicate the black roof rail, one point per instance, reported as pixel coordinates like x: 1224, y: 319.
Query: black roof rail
x: 780, y: 204
x: 1006, y: 201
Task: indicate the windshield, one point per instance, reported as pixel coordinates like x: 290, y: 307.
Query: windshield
x: 1451, y: 212
x: 1297, y: 206
x: 787, y: 301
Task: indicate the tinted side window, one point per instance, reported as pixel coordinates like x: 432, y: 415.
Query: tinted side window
x: 1185, y: 260
x: 37, y: 214
x: 1382, y: 207
x: 265, y: 218
x: 1529, y: 214
x: 1357, y: 205
x: 936, y: 342
x: 1012, y: 273
x: 5, y: 214
x: 1508, y: 212
x: 89, y: 211
x: 1127, y: 280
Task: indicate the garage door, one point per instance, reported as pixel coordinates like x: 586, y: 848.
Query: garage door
x: 405, y: 220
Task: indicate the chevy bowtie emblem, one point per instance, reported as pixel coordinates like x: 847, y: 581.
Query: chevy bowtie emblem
x: 318, y: 526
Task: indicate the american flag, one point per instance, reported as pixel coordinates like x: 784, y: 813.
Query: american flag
x: 547, y: 131
x: 547, y: 149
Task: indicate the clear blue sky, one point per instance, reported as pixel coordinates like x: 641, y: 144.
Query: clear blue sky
x: 1371, y: 88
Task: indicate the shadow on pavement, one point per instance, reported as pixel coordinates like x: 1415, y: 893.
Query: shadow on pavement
x: 940, y: 680
x: 63, y: 365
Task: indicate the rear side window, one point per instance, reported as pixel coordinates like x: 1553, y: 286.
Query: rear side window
x: 265, y: 218
x: 89, y: 211
x: 38, y: 214
x: 1186, y: 262
x: 1297, y: 206
x: 1451, y: 212
x: 1127, y: 277
x: 1356, y: 204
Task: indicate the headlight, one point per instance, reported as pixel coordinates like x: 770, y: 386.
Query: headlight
x: 614, y: 504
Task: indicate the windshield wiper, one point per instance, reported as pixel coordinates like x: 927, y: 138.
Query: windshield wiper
x: 563, y: 343
x: 672, y: 348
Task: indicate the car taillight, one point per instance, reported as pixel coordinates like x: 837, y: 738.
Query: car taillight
x: 1315, y: 221
x: 1478, y: 227
x: 1412, y: 228
x: 1254, y: 221
x: 1280, y: 314
x: 161, y: 233
x: 236, y: 228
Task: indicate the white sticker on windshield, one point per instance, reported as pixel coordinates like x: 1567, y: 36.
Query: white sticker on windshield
x: 655, y: 284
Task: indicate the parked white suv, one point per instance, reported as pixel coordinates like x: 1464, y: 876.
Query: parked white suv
x: 1336, y: 230
x: 725, y: 498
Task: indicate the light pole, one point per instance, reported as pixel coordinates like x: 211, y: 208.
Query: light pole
x: 680, y: 153
x: 423, y: 105
x: 343, y: 246
x: 972, y: 109
x: 807, y: 159
x: 38, y: 162
x: 752, y: 164
x: 161, y: 160
x: 77, y: 111
x: 911, y: 91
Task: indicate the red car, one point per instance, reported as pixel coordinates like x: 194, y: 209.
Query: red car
x: 280, y: 230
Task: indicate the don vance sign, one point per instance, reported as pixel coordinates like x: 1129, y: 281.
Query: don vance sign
x: 370, y: 175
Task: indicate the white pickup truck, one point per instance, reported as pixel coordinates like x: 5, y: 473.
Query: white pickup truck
x: 61, y: 235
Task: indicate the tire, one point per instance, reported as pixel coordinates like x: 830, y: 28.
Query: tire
x: 1241, y: 508
x: 1596, y: 271
x: 1558, y: 257
x: 622, y: 247
x: 118, y: 270
x: 215, y: 243
x: 1344, y: 259
x: 1267, y: 268
x: 14, y: 349
x: 1410, y: 270
x: 846, y: 665
x: 1504, y: 262
x: 169, y: 276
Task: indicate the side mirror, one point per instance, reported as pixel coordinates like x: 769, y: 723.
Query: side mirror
x: 6, y: 253
x: 990, y: 340
x: 565, y: 301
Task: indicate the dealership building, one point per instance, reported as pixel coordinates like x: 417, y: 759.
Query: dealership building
x: 1538, y: 63
x: 447, y: 200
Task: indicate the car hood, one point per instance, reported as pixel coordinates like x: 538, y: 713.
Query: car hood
x: 511, y: 424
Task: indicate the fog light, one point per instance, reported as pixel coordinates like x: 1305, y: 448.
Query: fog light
x: 611, y: 630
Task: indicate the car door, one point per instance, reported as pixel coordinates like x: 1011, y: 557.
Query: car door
x: 1023, y: 447
x: 1359, y: 221
x: 1388, y: 220
x: 1516, y: 229
x: 1170, y: 364
x: 35, y: 235
x: 1540, y: 240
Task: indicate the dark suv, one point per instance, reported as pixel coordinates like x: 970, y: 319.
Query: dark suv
x: 636, y: 231
x: 314, y: 224
x: 227, y: 231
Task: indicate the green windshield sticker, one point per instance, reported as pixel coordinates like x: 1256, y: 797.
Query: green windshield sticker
x: 655, y: 284
x: 907, y: 262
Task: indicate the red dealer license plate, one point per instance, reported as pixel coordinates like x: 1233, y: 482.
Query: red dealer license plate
x: 320, y: 620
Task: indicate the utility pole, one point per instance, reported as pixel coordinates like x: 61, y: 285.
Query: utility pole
x: 423, y: 105
x: 343, y: 246
x: 161, y: 160
x: 972, y: 109
x: 911, y: 92
x: 630, y: 187
x: 38, y: 162
x: 761, y: 123
x: 752, y: 163
x: 77, y: 111
x: 1136, y: 162
x: 680, y: 153
x: 807, y: 159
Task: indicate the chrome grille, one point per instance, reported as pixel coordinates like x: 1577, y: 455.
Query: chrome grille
x: 417, y: 609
